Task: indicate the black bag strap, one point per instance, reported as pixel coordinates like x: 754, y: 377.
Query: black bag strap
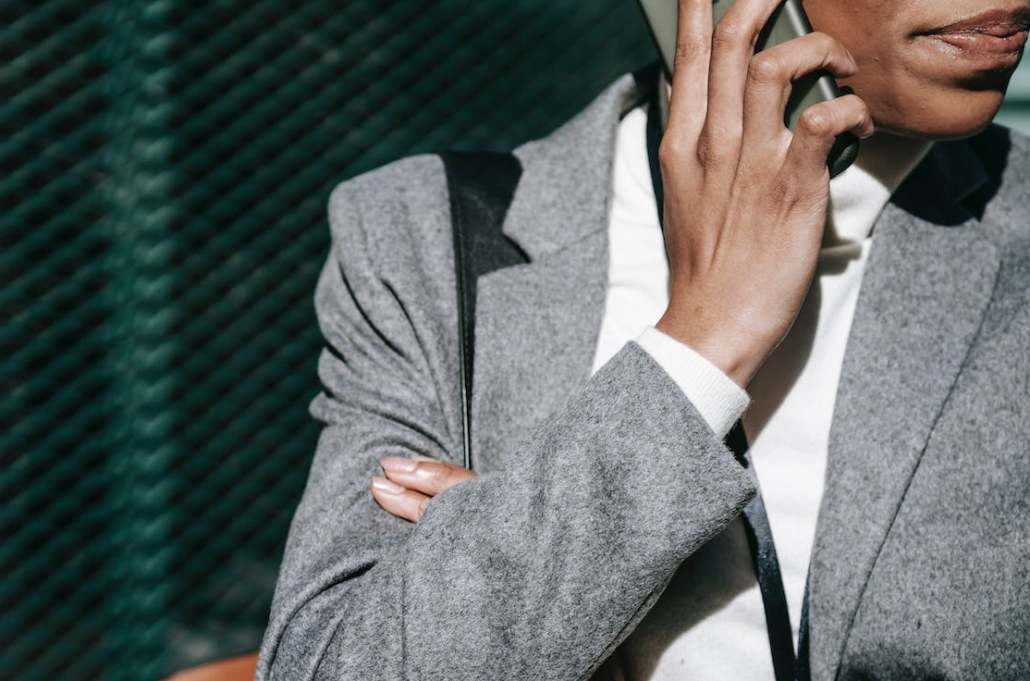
x: 481, y: 186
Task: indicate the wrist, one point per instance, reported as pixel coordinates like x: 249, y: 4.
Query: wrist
x: 733, y: 353
x: 717, y: 397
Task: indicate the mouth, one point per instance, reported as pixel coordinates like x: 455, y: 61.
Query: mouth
x: 994, y: 39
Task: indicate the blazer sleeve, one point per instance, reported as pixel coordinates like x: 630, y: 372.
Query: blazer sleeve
x: 535, y: 571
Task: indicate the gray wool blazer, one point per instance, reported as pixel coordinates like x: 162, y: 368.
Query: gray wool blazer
x: 593, y: 490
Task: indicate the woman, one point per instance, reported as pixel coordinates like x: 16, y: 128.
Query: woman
x: 603, y: 534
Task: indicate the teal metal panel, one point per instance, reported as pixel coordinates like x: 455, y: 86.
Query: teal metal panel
x: 165, y: 169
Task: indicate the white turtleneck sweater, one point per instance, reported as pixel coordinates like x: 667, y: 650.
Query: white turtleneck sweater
x: 710, y: 623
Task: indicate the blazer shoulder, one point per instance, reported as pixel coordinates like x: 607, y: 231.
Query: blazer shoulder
x: 401, y: 207
x: 396, y: 177
x: 401, y: 188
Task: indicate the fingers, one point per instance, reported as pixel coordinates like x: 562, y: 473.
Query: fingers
x: 402, y: 502
x: 733, y: 45
x: 770, y: 75
x: 690, y: 70
x: 423, y: 474
x: 411, y: 483
x: 818, y: 129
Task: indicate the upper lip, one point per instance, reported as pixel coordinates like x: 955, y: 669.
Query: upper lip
x: 996, y: 22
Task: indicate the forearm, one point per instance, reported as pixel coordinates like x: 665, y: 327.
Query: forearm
x: 537, y: 570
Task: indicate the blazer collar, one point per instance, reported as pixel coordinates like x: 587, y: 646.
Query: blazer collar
x: 565, y: 190
x: 949, y: 185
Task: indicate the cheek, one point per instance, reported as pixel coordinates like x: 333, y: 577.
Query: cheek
x: 911, y: 105
x: 863, y: 26
x: 903, y: 96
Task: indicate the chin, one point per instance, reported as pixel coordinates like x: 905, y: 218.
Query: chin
x: 955, y: 124
x: 937, y: 113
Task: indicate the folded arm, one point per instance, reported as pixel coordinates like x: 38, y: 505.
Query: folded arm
x: 537, y: 570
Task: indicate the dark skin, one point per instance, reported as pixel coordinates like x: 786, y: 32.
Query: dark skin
x: 923, y: 69
x: 920, y: 69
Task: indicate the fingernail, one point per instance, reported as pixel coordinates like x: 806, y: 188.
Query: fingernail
x: 385, y: 485
x: 419, y: 457
x: 395, y: 463
x: 423, y: 506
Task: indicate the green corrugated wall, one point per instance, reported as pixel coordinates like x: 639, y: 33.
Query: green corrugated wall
x: 164, y: 168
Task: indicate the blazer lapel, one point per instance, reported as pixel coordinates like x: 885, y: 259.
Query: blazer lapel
x: 929, y: 279
x: 537, y: 324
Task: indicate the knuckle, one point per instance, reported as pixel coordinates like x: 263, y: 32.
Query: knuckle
x: 816, y: 121
x: 863, y: 118
x: 825, y: 42
x: 710, y: 153
x: 863, y: 110
x: 831, y: 53
x: 728, y: 35
x: 672, y: 150
x: 764, y: 68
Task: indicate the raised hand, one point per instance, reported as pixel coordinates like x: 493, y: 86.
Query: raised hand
x: 745, y: 199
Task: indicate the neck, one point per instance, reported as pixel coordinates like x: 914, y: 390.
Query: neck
x: 858, y: 195
x: 890, y: 158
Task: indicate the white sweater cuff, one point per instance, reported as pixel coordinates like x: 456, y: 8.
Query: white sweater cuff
x: 718, y: 399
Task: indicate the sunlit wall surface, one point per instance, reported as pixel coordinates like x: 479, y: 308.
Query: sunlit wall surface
x: 164, y: 168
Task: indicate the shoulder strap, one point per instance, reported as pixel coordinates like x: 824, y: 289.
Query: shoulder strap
x: 481, y: 186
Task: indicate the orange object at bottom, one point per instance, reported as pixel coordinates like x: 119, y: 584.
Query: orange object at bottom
x: 241, y: 668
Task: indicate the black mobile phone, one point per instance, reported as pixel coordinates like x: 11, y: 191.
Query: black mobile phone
x: 787, y: 22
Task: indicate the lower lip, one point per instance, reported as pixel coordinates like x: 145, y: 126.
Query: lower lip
x: 989, y: 52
